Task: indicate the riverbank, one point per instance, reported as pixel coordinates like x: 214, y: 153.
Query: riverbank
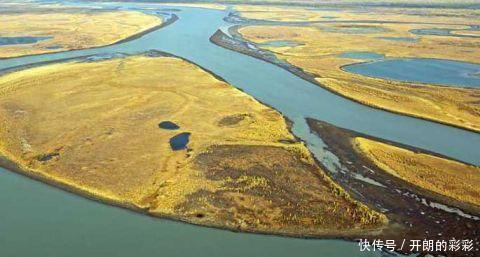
x: 465, y: 94
x: 420, y: 212
x: 317, y: 58
x: 93, y: 28
x: 456, y: 181
x: 100, y: 226
x: 240, y: 169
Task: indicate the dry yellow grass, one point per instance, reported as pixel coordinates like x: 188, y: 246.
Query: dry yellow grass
x: 97, y: 133
x: 318, y: 55
x: 413, y: 15
x: 71, y: 29
x: 446, y: 177
x: 475, y: 33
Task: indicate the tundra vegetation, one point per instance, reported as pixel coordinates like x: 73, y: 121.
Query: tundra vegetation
x: 69, y: 29
x: 105, y: 135
x: 439, y: 175
x: 320, y: 43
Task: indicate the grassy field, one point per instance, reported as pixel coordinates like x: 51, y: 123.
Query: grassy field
x: 70, y: 29
x: 446, y: 177
x: 391, y: 14
x: 412, y: 184
x: 98, y: 134
x: 321, y: 43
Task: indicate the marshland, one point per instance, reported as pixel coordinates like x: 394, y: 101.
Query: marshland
x: 288, y: 143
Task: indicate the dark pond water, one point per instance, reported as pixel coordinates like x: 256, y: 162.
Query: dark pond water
x: 21, y: 40
x: 433, y: 71
x: 180, y: 141
x: 168, y: 125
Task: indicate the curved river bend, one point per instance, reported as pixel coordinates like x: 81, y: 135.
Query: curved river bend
x: 92, y: 229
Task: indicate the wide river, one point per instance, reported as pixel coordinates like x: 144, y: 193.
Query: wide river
x: 38, y: 220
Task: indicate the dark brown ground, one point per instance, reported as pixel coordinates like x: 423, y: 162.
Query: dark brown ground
x: 269, y: 189
x: 401, y: 202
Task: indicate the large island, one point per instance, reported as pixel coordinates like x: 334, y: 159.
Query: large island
x: 140, y: 134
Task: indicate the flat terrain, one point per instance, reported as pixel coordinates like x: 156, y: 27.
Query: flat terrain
x: 443, y: 176
x: 116, y: 135
x: 69, y: 29
x: 326, y: 34
x: 423, y: 194
x: 351, y: 13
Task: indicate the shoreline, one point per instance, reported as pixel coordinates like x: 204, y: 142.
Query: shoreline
x: 10, y: 166
x: 404, y: 204
x: 352, y: 134
x: 219, y: 39
x: 167, y: 22
x: 348, y: 235
x: 342, y: 68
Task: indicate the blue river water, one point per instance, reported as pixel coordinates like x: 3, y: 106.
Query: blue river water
x: 435, y: 71
x: 39, y: 220
x: 31, y: 210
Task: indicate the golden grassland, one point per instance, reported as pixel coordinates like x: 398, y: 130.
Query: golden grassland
x: 396, y: 14
x: 475, y: 33
x: 446, y: 177
x: 73, y: 29
x: 321, y: 43
x: 96, y: 133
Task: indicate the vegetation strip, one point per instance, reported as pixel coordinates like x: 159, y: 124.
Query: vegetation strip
x: 409, y: 207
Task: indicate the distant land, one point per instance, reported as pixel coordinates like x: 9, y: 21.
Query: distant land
x: 398, y: 3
